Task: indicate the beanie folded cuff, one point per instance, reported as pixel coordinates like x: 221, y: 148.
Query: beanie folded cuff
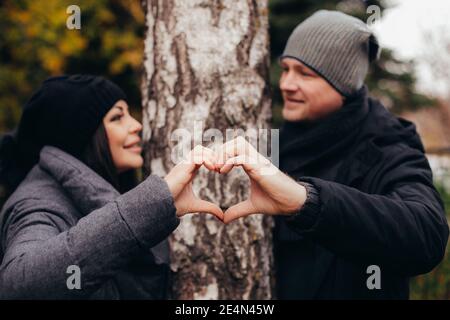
x: 345, y: 94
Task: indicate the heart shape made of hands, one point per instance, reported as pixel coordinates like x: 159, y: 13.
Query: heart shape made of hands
x: 271, y: 191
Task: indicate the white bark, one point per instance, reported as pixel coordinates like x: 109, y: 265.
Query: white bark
x: 208, y: 61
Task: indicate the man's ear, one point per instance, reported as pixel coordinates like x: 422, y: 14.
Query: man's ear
x: 373, y: 48
x: 344, y: 100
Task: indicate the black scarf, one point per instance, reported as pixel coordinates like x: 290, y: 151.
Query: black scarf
x: 303, y: 143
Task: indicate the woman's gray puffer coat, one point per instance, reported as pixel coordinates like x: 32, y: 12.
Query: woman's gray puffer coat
x: 64, y: 214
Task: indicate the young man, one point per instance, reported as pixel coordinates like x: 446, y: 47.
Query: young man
x: 370, y: 217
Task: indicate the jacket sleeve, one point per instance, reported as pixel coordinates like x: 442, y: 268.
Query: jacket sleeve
x: 402, y: 228
x: 38, y: 254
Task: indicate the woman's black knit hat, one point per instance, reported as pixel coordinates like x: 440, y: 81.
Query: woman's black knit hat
x: 64, y: 112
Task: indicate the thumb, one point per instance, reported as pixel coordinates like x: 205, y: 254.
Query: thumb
x: 242, y: 209
x: 205, y: 206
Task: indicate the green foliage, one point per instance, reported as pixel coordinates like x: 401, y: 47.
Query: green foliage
x: 436, y: 284
x: 36, y: 44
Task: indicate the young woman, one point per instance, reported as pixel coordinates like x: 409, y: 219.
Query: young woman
x: 75, y: 208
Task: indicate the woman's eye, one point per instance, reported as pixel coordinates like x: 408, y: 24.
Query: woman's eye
x: 116, y: 117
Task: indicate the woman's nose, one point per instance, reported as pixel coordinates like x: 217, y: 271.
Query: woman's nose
x: 135, y: 126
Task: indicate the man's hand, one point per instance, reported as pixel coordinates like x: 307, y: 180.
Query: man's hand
x: 179, y: 180
x: 271, y: 191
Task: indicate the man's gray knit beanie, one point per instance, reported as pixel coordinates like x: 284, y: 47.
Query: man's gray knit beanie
x: 337, y: 46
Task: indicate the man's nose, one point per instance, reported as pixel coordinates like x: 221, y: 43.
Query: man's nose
x: 288, y: 83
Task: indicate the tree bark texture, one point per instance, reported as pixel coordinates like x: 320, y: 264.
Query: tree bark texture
x: 207, y: 62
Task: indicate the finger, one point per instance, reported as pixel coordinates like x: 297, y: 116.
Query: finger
x: 243, y: 160
x: 207, y: 207
x: 236, y: 147
x: 228, y: 150
x: 226, y: 168
x: 242, y: 209
x: 209, y: 164
x: 215, y: 156
x: 210, y: 159
x: 183, y: 169
x: 203, y: 156
x: 230, y: 163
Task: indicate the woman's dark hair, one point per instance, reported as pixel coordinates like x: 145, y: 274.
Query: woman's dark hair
x: 97, y: 156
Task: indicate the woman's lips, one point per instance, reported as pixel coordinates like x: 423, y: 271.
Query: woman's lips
x: 134, y: 148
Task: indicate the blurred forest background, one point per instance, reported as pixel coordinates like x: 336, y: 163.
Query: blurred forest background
x: 35, y: 43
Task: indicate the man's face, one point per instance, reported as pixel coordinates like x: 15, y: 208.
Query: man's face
x: 306, y: 95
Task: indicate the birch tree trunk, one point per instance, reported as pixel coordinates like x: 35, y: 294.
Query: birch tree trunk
x: 207, y: 62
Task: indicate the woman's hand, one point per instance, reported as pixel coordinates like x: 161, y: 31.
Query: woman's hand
x: 179, y: 180
x: 271, y: 191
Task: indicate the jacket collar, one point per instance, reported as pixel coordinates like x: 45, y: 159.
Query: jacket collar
x: 87, y: 189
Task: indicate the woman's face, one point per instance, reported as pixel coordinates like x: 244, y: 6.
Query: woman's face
x: 123, y: 137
